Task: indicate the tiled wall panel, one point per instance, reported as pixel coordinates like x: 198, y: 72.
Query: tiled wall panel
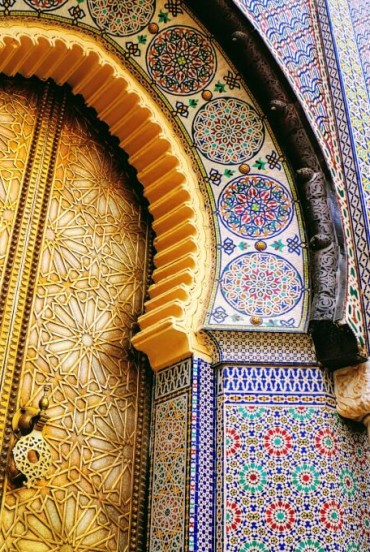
x: 295, y: 476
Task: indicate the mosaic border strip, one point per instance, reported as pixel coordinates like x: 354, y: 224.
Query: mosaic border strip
x: 171, y: 449
x: 276, y: 384
x: 172, y: 379
x: 263, y: 347
x: 220, y: 462
x: 191, y: 381
x: 202, y: 500
x: 347, y: 149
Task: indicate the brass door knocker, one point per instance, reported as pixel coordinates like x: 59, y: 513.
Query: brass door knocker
x: 30, y: 458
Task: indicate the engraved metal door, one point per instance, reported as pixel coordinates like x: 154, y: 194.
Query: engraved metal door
x: 73, y: 242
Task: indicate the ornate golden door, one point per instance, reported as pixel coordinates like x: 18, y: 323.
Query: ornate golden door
x: 73, y: 242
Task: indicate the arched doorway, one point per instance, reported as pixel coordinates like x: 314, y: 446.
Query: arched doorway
x: 73, y: 261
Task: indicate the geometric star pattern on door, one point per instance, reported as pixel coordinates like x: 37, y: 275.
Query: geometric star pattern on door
x: 88, y: 294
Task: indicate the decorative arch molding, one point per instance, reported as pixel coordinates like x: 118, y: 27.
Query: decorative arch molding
x: 164, y: 169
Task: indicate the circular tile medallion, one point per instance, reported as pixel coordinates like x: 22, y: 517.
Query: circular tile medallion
x: 228, y: 131
x: 45, y: 5
x: 255, y: 207
x: 181, y: 60
x: 261, y: 284
x: 121, y: 18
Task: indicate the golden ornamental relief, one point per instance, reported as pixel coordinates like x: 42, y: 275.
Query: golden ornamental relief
x: 18, y: 107
x: 86, y: 295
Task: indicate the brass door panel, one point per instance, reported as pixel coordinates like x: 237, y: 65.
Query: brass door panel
x: 73, y: 248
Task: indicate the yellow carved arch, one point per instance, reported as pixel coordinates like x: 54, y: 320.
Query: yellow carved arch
x: 169, y: 326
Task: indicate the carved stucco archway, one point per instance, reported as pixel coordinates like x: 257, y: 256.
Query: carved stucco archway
x: 164, y: 169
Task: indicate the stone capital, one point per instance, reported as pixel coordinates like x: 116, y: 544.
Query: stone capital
x: 352, y: 389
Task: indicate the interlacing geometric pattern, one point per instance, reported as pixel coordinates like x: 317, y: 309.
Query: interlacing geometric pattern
x: 263, y: 347
x: 274, y: 478
x: 181, y: 60
x: 169, y: 478
x: 88, y: 294
x: 121, y: 18
x: 296, y: 474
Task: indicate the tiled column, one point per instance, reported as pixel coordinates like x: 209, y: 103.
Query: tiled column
x: 182, y: 463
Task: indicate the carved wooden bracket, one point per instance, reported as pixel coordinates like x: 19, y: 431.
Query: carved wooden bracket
x: 324, y: 250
